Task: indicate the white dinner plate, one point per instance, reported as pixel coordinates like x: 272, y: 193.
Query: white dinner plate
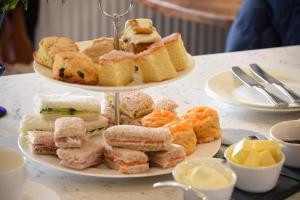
x: 135, y: 85
x: 37, y: 191
x: 225, y: 87
x: 202, y: 150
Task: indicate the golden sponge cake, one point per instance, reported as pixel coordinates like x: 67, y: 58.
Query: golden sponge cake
x: 50, y: 46
x: 155, y: 64
x: 176, y: 50
x: 75, y: 67
x: 117, y: 68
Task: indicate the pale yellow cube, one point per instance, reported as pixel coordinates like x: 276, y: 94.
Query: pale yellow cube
x: 277, y: 155
x: 265, y: 158
x: 241, y: 151
x: 261, y: 145
x: 252, y: 159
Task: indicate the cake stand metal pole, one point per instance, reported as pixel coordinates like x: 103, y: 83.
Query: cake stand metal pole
x: 117, y: 108
x: 116, y: 24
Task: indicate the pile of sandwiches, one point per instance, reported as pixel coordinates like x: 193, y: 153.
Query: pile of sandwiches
x: 151, y: 133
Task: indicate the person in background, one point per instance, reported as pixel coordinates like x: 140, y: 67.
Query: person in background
x: 264, y: 24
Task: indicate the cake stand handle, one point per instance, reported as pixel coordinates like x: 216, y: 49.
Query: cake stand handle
x: 117, y: 107
x: 116, y: 22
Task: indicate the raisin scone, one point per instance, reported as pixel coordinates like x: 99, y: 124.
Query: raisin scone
x: 75, y: 67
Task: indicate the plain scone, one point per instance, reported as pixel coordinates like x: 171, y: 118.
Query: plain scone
x: 50, y: 46
x: 100, y: 47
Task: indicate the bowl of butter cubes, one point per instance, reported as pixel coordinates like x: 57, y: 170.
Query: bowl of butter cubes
x: 257, y: 164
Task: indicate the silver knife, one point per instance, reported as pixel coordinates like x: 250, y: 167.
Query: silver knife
x: 245, y: 78
x: 258, y: 71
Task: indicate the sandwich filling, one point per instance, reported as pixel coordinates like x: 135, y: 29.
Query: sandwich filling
x: 66, y: 111
x: 123, y: 165
x: 128, y: 140
x: 43, y: 148
x: 74, y: 140
x: 92, y: 160
x: 94, y: 132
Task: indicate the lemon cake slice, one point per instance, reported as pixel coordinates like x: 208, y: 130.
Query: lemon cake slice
x: 117, y: 68
x: 155, y: 64
x: 177, y: 51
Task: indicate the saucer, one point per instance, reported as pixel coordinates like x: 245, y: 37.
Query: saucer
x: 37, y: 191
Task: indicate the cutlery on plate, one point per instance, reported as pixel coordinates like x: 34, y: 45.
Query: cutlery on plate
x: 186, y: 188
x: 258, y: 71
x: 245, y: 78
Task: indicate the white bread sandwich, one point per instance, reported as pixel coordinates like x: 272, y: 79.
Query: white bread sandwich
x: 41, y: 142
x: 169, y: 158
x: 126, y: 161
x: 54, y: 106
x: 33, y: 122
x: 90, y: 154
x: 96, y: 127
x: 69, y: 132
x: 138, y: 137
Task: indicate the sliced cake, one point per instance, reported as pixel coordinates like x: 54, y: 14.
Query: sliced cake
x: 117, y: 68
x: 155, y: 64
x: 177, y: 51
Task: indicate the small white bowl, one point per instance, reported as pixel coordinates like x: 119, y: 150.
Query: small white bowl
x: 255, y: 179
x: 221, y: 193
x: 287, y: 131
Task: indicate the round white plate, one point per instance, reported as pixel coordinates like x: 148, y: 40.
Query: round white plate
x: 37, y: 191
x: 226, y: 87
x: 203, y: 150
x: 135, y: 85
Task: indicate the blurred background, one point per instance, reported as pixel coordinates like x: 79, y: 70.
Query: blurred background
x: 204, y: 24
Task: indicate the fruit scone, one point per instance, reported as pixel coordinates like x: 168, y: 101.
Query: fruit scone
x: 75, y: 67
x: 205, y: 123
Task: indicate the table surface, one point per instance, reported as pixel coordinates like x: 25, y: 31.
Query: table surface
x: 212, y: 12
x: 17, y: 92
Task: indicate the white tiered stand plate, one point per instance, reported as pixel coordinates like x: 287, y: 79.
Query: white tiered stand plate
x: 202, y: 150
x: 135, y: 85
